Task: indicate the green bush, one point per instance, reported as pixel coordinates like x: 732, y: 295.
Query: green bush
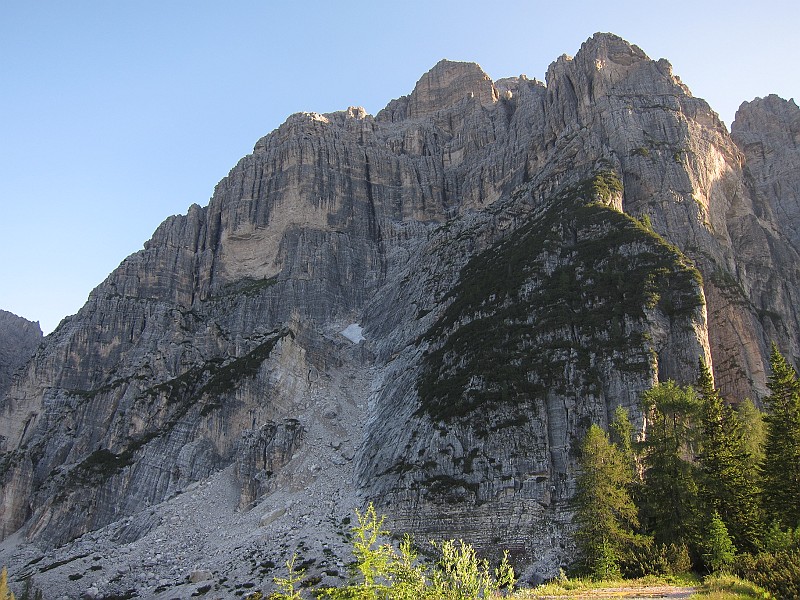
x: 776, y: 572
x: 651, y: 558
x: 461, y: 575
x: 286, y: 584
x: 777, y: 539
x: 383, y: 572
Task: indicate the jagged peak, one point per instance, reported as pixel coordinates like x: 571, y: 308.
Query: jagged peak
x: 598, y: 52
x: 770, y: 113
x: 772, y: 105
x: 312, y: 119
x: 613, y: 47
x: 8, y: 317
x: 448, y: 83
x: 446, y: 65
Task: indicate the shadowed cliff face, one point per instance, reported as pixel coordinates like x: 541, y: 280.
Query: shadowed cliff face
x: 490, y: 239
x: 19, y: 339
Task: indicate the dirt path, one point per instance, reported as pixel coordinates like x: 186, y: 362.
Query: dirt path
x: 630, y: 593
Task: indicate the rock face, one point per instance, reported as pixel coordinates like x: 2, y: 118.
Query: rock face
x: 767, y: 130
x: 19, y: 339
x: 520, y: 258
x: 767, y: 241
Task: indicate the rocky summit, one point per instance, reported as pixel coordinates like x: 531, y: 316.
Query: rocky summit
x: 425, y: 309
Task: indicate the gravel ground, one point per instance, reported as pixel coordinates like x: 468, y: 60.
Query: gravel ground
x: 200, y: 544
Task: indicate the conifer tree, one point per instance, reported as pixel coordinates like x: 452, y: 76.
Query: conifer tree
x: 726, y: 485
x: 718, y: 548
x: 754, y: 432
x: 605, y: 515
x: 670, y: 508
x: 781, y: 467
x: 621, y: 435
x: 5, y: 592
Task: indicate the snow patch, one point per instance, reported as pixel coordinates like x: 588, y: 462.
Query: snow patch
x: 353, y: 333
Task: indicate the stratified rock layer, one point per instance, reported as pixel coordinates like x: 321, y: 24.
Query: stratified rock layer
x: 521, y: 259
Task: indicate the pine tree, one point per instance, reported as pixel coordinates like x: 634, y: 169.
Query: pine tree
x: 605, y: 515
x: 670, y: 495
x: 718, y: 548
x: 754, y: 432
x: 727, y: 486
x: 781, y: 467
x: 620, y: 432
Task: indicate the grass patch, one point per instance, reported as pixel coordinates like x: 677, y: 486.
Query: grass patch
x: 103, y: 389
x: 247, y: 286
x: 729, y: 587
x: 583, y: 588
x: 226, y: 377
x: 102, y: 464
x: 713, y: 587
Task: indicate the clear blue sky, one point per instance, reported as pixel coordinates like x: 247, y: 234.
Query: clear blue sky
x: 115, y: 114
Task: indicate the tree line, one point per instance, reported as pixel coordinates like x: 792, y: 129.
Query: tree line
x: 708, y: 486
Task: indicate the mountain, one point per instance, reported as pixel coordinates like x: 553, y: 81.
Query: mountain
x: 425, y: 309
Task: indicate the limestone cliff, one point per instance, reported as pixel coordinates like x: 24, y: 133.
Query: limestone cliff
x: 767, y: 131
x: 19, y: 339
x: 520, y: 257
